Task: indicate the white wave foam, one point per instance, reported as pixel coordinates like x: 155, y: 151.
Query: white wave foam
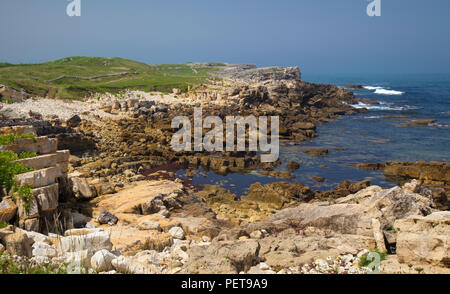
x: 381, y: 106
x: 372, y: 87
x: 382, y: 91
x: 388, y: 92
x: 437, y: 125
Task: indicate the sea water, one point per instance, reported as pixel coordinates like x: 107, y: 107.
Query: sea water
x: 377, y: 136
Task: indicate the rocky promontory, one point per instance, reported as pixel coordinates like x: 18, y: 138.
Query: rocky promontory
x: 97, y: 190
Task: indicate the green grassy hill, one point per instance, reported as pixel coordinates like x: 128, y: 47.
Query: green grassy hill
x: 76, y: 77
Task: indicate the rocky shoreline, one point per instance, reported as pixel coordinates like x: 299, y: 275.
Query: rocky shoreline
x: 111, y: 205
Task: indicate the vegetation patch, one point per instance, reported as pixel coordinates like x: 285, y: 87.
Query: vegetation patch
x: 78, y: 77
x: 14, y: 265
x: 9, y: 168
x: 24, y: 155
x: 10, y: 139
x: 6, y: 100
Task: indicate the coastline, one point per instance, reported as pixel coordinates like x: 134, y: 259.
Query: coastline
x: 122, y: 185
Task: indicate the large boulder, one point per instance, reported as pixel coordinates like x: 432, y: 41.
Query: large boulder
x: 18, y: 243
x: 74, y: 121
x: 7, y: 210
x: 223, y: 257
x: 128, y: 265
x: 353, y: 214
x: 296, y: 246
x: 130, y: 240
x: 92, y: 240
x: 81, y: 188
x: 106, y: 217
x: 424, y: 240
x: 177, y: 233
x: 101, y: 261
x: 43, y: 250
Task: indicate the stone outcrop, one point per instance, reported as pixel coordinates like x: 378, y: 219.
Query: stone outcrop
x: 433, y: 173
x: 372, y: 218
x: 262, y: 202
x: 128, y: 225
x: 14, y: 95
x: 16, y: 243
x: 48, y: 179
x: 8, y: 210
x: 433, y: 178
x: 424, y: 240
x: 251, y: 74
x: 223, y: 257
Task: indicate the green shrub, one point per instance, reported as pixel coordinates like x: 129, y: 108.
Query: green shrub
x: 3, y: 225
x: 10, y: 139
x: 6, y: 100
x: 28, y: 136
x: 25, y: 193
x: 8, y: 171
x: 25, y: 154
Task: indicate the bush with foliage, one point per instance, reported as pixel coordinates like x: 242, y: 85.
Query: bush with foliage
x: 9, y: 168
x: 25, y: 154
x: 10, y: 139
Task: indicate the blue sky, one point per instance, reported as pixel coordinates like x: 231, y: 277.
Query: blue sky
x: 319, y: 36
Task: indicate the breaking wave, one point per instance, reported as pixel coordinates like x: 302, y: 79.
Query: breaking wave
x: 383, y: 91
x: 382, y: 106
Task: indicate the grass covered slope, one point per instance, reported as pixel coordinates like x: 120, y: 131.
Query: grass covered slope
x: 76, y: 77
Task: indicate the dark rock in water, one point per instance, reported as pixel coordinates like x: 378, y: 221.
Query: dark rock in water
x: 354, y: 87
x: 74, y: 121
x: 419, y: 122
x: 319, y: 179
x: 277, y: 174
x: 434, y: 177
x: 433, y: 172
x: 315, y: 151
x: 106, y: 217
x: 369, y: 166
x: 369, y: 101
x: 339, y: 148
x: 292, y: 166
x: 395, y: 116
